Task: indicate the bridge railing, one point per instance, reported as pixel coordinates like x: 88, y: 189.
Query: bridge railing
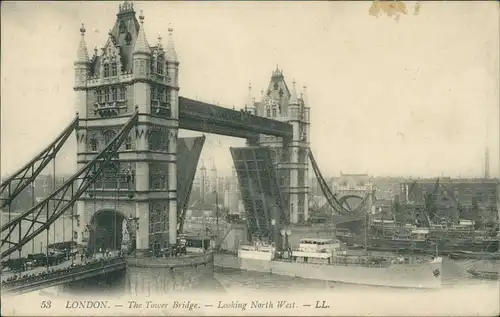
x: 43, y: 276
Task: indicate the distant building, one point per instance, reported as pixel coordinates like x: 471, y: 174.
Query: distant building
x: 353, y: 182
x: 387, y: 187
x: 476, y: 198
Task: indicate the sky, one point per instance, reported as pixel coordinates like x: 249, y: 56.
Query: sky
x: 414, y: 97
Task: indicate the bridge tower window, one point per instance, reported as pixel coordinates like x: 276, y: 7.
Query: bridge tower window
x: 108, y: 136
x: 128, y: 143
x: 123, y: 27
x: 106, y: 70
x: 153, y: 94
x: 106, y: 95
x: 274, y: 112
x: 160, y: 94
x: 268, y: 112
x: 93, y: 145
x: 114, y: 70
x: 100, y: 95
x: 158, y: 221
x: 114, y: 94
x: 159, y: 66
x: 123, y: 91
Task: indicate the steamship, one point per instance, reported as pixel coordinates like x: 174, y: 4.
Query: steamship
x: 324, y: 259
x: 451, y: 239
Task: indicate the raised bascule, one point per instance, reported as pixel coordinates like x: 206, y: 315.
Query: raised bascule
x: 133, y: 167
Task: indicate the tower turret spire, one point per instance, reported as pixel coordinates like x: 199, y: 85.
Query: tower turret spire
x: 160, y: 45
x: 250, y: 100
x: 305, y: 97
x: 141, y: 44
x: 82, y: 55
x: 170, y: 50
x: 293, y: 98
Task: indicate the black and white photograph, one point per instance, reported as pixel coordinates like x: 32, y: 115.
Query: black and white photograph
x: 250, y: 158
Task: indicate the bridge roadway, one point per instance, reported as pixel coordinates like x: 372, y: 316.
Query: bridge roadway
x: 40, y: 278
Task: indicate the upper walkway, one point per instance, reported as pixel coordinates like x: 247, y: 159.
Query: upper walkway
x: 204, y: 117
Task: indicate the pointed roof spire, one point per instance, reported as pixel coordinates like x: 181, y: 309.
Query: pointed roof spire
x: 305, y: 97
x: 160, y: 46
x: 141, y: 44
x: 170, y: 50
x: 277, y: 72
x: 250, y: 100
x: 293, y: 98
x: 82, y: 54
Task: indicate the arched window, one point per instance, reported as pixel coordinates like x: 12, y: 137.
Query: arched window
x: 114, y: 70
x: 100, y: 95
x: 93, y: 144
x: 110, y: 175
x: 106, y: 70
x: 268, y: 112
x: 128, y: 143
x: 123, y: 27
x: 161, y: 94
x: 167, y: 97
x: 159, y: 66
x: 157, y: 226
x: 107, y: 95
x: 154, y: 140
x: 123, y: 91
x: 154, y: 93
x: 159, y: 180
x: 108, y: 136
x: 128, y: 38
x: 114, y: 94
x: 274, y: 112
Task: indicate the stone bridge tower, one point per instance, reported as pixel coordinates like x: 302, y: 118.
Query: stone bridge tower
x: 140, y: 187
x: 278, y: 102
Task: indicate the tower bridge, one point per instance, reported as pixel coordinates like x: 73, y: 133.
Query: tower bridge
x: 134, y: 171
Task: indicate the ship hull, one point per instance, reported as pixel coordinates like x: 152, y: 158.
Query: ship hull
x: 422, y: 275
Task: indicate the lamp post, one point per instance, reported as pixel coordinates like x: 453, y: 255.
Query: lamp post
x: 88, y: 229
x: 285, y: 233
x: 217, y: 210
x: 134, y: 225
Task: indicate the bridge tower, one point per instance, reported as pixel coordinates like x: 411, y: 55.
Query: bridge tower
x: 140, y: 187
x: 290, y: 156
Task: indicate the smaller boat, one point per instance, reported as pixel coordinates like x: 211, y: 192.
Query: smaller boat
x: 483, y: 274
x: 461, y: 255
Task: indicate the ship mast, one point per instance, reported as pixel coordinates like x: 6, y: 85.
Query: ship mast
x: 366, y: 242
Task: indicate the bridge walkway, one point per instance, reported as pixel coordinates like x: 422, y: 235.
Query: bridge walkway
x: 36, y: 277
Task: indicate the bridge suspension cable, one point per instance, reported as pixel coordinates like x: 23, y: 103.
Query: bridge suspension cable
x: 74, y: 186
x: 26, y: 175
x: 331, y: 199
